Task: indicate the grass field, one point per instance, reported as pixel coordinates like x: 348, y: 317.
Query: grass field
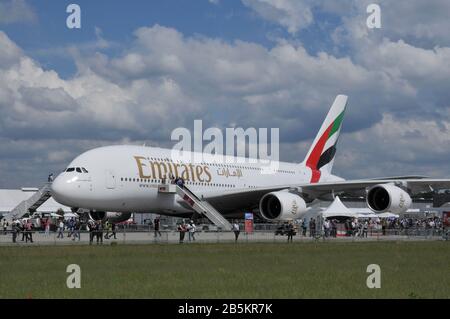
x: 303, y: 270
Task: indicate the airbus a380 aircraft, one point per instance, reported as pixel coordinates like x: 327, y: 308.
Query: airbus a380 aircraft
x: 126, y: 179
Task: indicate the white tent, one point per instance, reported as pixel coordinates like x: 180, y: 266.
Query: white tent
x: 70, y: 215
x: 371, y: 215
x: 337, y: 208
x: 388, y: 215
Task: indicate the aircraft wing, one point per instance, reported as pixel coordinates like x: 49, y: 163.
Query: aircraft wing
x: 239, y: 199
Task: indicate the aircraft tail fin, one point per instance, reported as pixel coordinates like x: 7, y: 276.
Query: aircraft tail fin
x: 320, y: 157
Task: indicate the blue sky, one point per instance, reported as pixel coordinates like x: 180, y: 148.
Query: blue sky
x: 228, y: 20
x: 138, y: 69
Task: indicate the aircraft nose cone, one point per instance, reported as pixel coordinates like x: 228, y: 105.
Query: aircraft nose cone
x: 60, y: 190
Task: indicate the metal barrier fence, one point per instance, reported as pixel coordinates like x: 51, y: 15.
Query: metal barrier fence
x: 124, y: 236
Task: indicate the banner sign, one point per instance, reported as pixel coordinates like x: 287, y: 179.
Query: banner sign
x: 249, y: 223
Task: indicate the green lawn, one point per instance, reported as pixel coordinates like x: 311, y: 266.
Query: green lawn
x: 300, y: 270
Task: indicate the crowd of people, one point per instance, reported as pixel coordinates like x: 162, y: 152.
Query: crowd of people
x: 70, y: 228
x: 187, y: 227
x: 361, y: 227
x: 313, y: 227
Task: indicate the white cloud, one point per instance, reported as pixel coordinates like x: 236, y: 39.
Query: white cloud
x: 421, y: 23
x: 165, y: 79
x: 293, y: 15
x: 414, y: 146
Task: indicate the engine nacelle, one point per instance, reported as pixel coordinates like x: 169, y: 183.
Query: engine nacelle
x: 112, y: 217
x: 388, y: 198
x: 282, y: 206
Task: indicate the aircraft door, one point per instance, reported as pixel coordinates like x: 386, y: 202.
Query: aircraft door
x: 110, y: 179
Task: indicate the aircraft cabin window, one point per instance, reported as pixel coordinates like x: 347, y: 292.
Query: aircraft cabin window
x: 78, y: 170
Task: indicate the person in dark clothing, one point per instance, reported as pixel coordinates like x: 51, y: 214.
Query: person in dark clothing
x: 99, y: 232
x: 182, y: 229
x: 113, y: 230
x: 290, y: 231
x: 92, y: 231
x: 15, y: 231
x: 304, y: 227
x: 312, y: 227
x: 29, y: 233
x: 156, y: 223
x: 180, y: 182
x: 333, y: 228
x: 23, y: 230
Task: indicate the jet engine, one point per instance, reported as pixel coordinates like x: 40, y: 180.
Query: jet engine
x: 109, y: 216
x: 388, y: 198
x: 282, y: 206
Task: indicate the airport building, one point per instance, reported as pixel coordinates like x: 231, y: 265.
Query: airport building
x: 10, y: 199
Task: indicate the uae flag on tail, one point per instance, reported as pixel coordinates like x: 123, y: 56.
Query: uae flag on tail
x: 323, y: 150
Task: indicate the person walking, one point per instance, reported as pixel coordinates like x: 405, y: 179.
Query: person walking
x: 333, y: 228
x: 156, y: 224
x: 326, y: 227
x: 182, y: 230
x: 29, y: 233
x: 304, y: 227
x: 23, y: 229
x: 99, y: 232
x: 47, y: 227
x: 191, y: 228
x: 76, y: 231
x: 236, y: 230
x: 107, y: 225
x: 15, y: 230
x: 312, y: 227
x: 113, y: 230
x: 60, y: 229
x: 290, y: 231
x: 71, y: 227
x: 5, y: 226
x: 92, y: 231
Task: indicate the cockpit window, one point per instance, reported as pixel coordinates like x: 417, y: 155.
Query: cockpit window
x: 70, y: 169
x: 78, y: 170
x: 84, y: 170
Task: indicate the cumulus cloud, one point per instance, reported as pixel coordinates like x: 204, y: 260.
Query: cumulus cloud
x: 421, y: 23
x: 293, y: 15
x: 397, y: 114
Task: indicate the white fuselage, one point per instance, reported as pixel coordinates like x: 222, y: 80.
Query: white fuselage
x: 125, y: 178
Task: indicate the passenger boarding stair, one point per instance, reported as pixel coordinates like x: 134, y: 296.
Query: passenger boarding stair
x: 200, y: 206
x: 31, y: 204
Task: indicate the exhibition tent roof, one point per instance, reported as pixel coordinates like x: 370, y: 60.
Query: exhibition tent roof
x: 367, y: 215
x: 337, y: 208
x: 388, y: 215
